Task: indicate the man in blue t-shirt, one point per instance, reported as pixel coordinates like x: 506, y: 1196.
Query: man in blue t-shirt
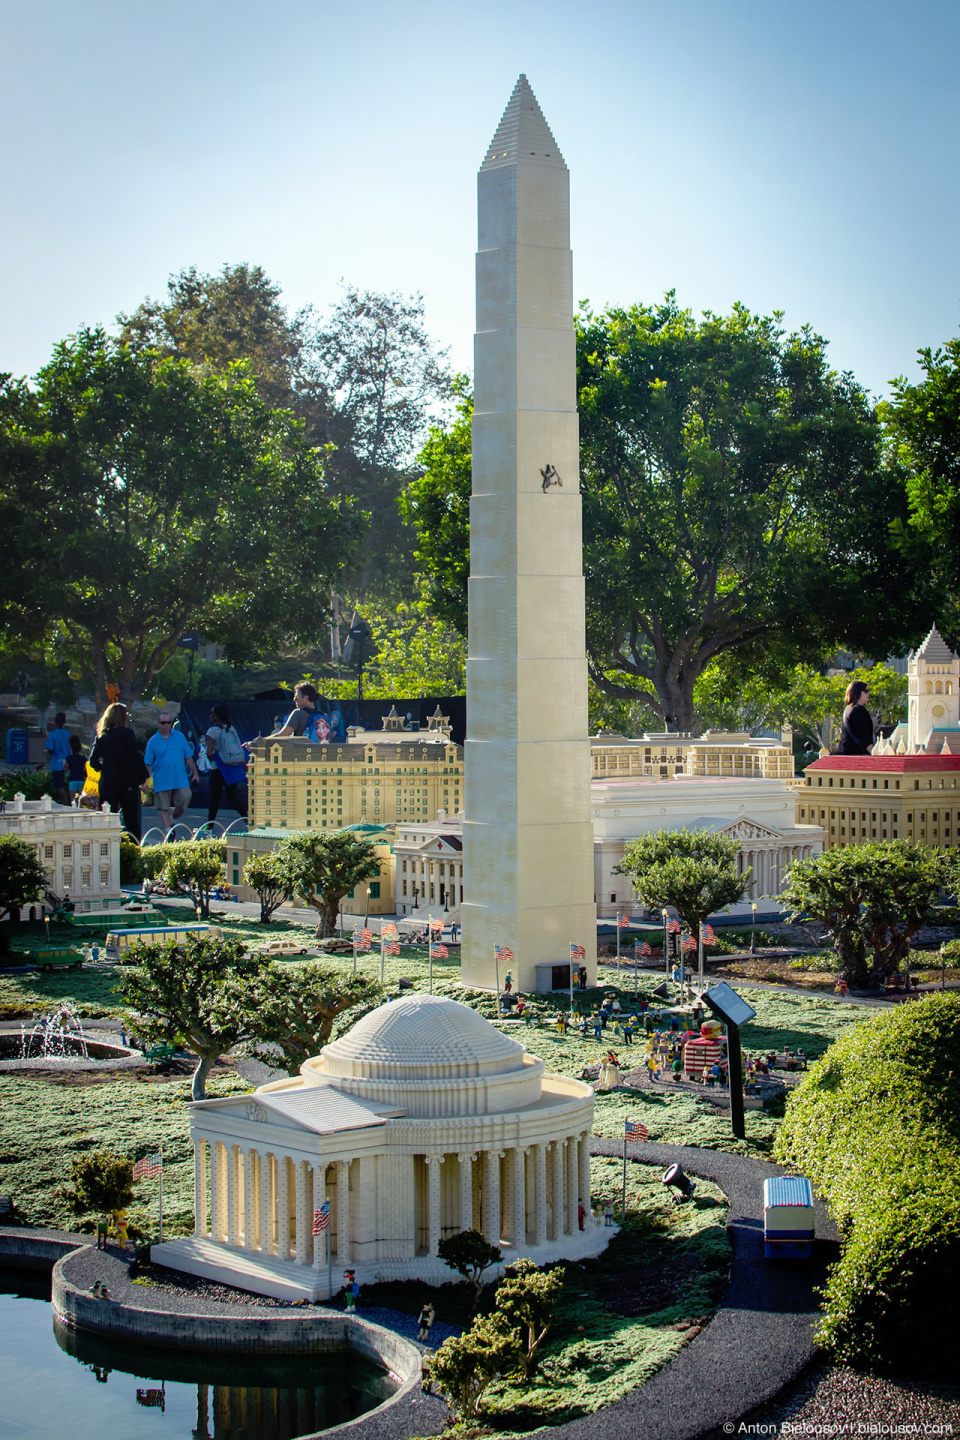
x: 58, y: 748
x: 168, y: 757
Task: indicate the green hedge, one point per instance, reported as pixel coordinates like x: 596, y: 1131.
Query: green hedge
x: 875, y: 1125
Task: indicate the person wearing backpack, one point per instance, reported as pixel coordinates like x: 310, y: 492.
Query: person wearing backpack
x: 226, y: 755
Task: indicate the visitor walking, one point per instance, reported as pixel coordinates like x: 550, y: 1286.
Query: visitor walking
x: 169, y: 756
x: 58, y: 748
x: 857, y: 732
x: 227, y: 763
x: 75, y: 768
x: 121, y: 767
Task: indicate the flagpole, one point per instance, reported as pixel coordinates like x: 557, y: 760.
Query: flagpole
x: 430, y: 947
x: 161, y: 1197
x: 618, y: 947
x: 623, y: 1200
x: 354, y: 952
x: 571, y: 985
x: 496, y: 971
x: 381, y: 953
x: 700, y: 956
x: 329, y: 1265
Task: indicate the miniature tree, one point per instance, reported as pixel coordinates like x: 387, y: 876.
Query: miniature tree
x: 22, y: 879
x: 873, y: 899
x: 692, y: 871
x: 465, y: 1365
x: 181, y: 996
x: 470, y: 1255
x: 321, y: 869
x: 295, y: 1007
x: 154, y: 859
x: 101, y: 1182
x: 197, y: 865
x: 526, y: 1299
x: 263, y: 875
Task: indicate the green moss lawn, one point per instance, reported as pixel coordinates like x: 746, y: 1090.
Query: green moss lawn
x: 43, y: 1124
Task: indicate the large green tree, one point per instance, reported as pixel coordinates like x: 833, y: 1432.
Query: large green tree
x: 922, y: 423
x: 364, y: 379
x: 735, y: 499
x: 168, y: 499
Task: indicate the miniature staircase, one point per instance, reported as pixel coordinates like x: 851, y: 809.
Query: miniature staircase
x: 245, y: 1269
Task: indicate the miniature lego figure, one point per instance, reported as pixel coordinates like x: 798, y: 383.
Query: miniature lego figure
x: 562, y: 1023
x: 508, y: 982
x: 608, y: 1214
x: 103, y: 1229
x: 425, y: 1321
x: 581, y: 1214
x: 426, y: 1379
x: 597, y: 1027
x: 350, y: 1289
x: 120, y: 1225
x: 841, y: 988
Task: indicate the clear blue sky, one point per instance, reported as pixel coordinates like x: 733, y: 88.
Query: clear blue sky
x: 800, y: 156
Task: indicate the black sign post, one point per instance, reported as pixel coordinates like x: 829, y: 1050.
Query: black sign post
x: 734, y: 1011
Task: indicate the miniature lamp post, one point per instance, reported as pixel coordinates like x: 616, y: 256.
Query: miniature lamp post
x: 753, y: 929
x: 666, y: 945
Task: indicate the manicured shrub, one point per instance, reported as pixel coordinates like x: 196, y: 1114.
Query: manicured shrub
x: 131, y: 862
x: 875, y: 1124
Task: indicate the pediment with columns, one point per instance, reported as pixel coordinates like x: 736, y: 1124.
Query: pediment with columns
x: 747, y: 829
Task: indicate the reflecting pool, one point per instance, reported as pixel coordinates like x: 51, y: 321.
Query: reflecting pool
x: 56, y: 1382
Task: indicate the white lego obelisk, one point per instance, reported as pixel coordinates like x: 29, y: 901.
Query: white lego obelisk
x: 528, y: 838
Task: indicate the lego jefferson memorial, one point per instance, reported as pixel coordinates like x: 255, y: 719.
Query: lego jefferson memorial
x: 423, y: 1120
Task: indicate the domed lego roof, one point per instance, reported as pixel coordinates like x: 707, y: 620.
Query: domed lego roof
x: 422, y: 1037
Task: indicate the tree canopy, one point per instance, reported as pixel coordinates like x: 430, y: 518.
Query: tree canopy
x: 321, y: 869
x: 873, y: 899
x: 295, y: 1008
x: 691, y: 871
x: 22, y: 879
x: 735, y: 499
x: 179, y: 996
x: 922, y: 422
x: 167, y: 499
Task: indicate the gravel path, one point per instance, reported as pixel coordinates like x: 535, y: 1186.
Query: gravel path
x: 833, y: 1401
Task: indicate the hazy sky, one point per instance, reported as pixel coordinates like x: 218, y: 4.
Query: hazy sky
x: 800, y: 156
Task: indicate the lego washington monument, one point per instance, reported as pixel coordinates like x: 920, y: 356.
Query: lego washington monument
x: 528, y: 839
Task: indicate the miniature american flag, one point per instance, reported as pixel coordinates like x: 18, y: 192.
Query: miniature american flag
x: 623, y: 921
x: 362, y: 939
x: 708, y: 935
x: 503, y: 952
x: 688, y: 942
x: 436, y: 926
x: 635, y: 1130
x: 439, y: 952
x: 642, y: 948
x: 391, y: 948
x: 577, y: 952
x: 321, y: 1218
x: 149, y: 1167
x: 673, y: 926
x: 388, y: 930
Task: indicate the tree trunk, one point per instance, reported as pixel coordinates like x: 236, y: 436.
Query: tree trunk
x: 198, y: 1089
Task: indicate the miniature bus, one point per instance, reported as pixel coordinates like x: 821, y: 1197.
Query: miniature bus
x: 789, y: 1221
x: 120, y: 940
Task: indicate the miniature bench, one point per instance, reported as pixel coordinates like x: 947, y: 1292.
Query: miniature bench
x: 160, y: 1052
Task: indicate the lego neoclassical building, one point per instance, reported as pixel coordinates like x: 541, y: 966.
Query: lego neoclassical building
x: 423, y: 1120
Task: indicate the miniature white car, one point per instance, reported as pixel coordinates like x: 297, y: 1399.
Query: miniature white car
x: 282, y: 947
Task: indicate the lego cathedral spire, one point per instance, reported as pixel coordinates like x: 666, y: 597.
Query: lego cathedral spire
x: 528, y: 838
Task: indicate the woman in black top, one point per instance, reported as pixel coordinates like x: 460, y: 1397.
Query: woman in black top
x: 122, y: 771
x: 857, y: 735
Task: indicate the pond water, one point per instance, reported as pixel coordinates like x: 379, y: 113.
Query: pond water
x: 56, y: 1382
